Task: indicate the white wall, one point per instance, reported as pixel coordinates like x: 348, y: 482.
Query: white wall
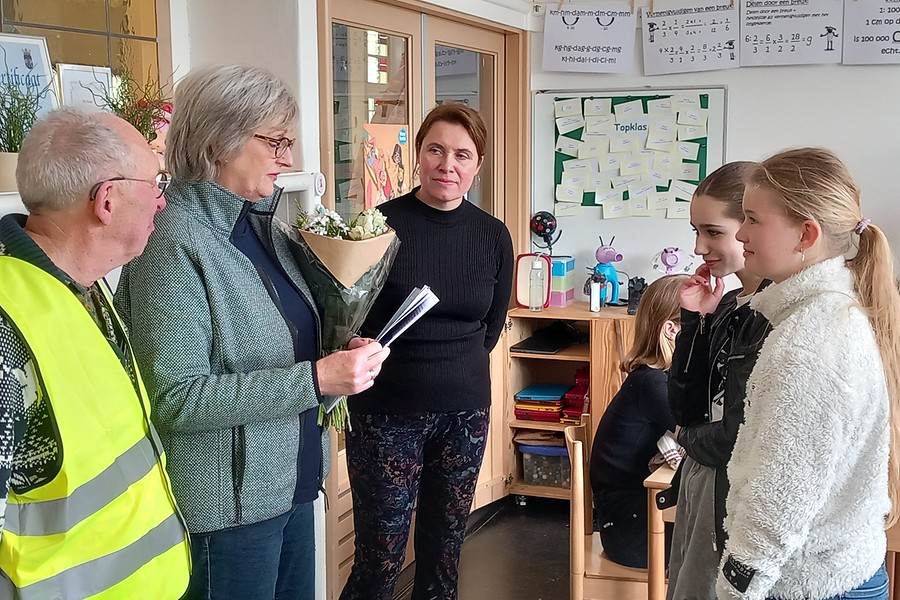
x: 850, y: 110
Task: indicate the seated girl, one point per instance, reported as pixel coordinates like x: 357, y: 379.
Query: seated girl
x: 636, y: 418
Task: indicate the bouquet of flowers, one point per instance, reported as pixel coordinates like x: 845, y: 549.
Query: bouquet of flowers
x: 345, y: 267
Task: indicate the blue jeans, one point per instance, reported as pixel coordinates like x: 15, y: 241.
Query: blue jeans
x: 262, y: 561
x: 876, y: 588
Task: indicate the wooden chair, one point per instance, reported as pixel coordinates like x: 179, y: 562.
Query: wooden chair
x: 592, y: 576
x: 892, y: 562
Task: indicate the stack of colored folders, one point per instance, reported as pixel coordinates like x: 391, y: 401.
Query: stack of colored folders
x: 576, y: 401
x: 541, y: 402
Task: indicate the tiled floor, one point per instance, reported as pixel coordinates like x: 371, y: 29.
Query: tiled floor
x: 514, y: 553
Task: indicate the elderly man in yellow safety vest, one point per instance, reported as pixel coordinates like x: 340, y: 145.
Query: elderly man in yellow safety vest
x: 86, y: 507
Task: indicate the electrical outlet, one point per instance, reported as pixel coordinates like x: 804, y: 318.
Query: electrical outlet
x: 537, y: 10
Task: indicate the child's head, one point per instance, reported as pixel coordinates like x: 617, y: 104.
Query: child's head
x: 802, y: 207
x: 716, y: 215
x: 656, y: 323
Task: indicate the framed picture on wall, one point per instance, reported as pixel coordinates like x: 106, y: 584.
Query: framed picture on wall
x: 25, y: 64
x: 84, y: 86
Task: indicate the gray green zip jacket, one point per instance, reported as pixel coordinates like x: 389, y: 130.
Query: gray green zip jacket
x: 218, y: 360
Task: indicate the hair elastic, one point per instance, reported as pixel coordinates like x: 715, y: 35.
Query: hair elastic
x: 861, y: 226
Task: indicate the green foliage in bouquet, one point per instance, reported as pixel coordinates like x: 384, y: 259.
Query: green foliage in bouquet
x: 143, y: 105
x: 18, y: 112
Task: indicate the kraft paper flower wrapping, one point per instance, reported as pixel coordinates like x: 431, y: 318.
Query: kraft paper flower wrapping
x: 345, y: 277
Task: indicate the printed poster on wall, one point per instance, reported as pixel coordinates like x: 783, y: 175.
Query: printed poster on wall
x: 871, y: 32
x: 688, y: 39
x: 385, y: 160
x: 590, y: 38
x: 791, y: 32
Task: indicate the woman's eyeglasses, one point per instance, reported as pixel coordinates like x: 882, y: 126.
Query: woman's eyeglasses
x: 161, y: 181
x: 279, y: 145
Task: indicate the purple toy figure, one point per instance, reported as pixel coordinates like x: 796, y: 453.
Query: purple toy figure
x: 673, y: 260
x: 606, y: 255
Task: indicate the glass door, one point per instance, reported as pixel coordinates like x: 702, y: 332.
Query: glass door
x: 376, y: 102
x: 468, y: 67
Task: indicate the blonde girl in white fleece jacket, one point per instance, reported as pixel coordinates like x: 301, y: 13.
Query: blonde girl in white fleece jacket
x: 814, y: 473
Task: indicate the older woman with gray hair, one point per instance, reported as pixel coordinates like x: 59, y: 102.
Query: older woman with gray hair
x: 228, y: 337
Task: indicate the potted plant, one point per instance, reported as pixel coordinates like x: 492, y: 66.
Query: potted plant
x: 144, y: 105
x: 18, y: 112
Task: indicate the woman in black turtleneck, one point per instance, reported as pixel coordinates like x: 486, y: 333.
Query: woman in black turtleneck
x: 419, y: 433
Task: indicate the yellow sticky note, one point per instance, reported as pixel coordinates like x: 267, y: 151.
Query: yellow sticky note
x: 575, y: 179
x: 569, y: 124
x: 598, y: 181
x: 594, y: 146
x: 634, y: 166
x: 693, y: 116
x: 566, y: 193
x: 577, y: 164
x: 689, y: 171
x: 600, y: 124
x: 622, y: 183
x: 661, y: 200
x: 629, y: 111
x: 566, y: 209
x: 641, y: 189
x: 663, y: 106
x: 616, y: 209
x: 686, y: 101
x: 691, y: 132
x: 603, y: 196
x: 622, y: 142
x: 568, y: 146
x: 597, y: 106
x: 640, y: 207
x: 567, y: 108
x: 681, y: 210
x: 682, y: 189
x: 687, y: 150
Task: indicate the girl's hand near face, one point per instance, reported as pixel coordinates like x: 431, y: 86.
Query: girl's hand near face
x: 697, y: 294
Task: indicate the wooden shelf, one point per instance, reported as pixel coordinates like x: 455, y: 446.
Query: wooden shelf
x: 539, y: 490
x: 578, y: 352
x: 539, y: 425
x: 577, y: 311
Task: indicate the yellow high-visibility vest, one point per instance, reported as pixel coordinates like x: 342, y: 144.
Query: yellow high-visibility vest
x: 106, y: 526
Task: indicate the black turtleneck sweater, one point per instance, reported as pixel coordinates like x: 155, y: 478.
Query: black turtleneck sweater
x: 440, y: 364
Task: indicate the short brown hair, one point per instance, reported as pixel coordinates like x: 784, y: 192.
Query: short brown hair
x: 457, y: 114
x: 726, y: 184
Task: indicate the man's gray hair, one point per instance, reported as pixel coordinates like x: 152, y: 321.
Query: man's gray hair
x: 65, y: 154
x: 216, y: 110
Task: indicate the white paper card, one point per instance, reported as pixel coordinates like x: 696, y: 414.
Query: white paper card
x: 570, y: 107
x: 566, y: 209
x: 693, y: 116
x: 578, y: 164
x: 602, y: 196
x: 576, y: 179
x: 687, y: 150
x: 569, y: 124
x: 682, y: 189
x: 680, y: 210
x: 629, y: 111
x: 663, y: 106
x: 616, y: 209
x: 568, y: 146
x: 597, y: 106
x: 691, y: 132
x: 689, y: 171
x: 566, y: 193
x: 600, y: 124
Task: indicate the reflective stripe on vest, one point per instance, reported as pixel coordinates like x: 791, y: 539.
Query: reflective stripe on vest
x: 106, y: 525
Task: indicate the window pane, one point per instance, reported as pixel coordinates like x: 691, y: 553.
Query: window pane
x: 74, y: 48
x: 466, y: 76
x: 137, y: 17
x: 371, y: 118
x: 138, y: 56
x: 77, y: 14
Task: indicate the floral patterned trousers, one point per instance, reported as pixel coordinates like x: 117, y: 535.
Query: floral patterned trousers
x: 395, y: 460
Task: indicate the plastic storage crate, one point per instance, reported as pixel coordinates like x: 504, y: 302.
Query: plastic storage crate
x: 546, y: 465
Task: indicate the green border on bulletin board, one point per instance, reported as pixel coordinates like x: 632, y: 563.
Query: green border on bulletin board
x: 559, y: 158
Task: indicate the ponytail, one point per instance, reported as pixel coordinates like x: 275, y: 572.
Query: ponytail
x: 876, y: 287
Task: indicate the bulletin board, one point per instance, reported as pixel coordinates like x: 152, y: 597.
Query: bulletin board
x: 638, y: 153
x: 639, y: 238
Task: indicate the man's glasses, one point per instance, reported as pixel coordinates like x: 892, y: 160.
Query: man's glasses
x: 161, y: 181
x: 279, y: 145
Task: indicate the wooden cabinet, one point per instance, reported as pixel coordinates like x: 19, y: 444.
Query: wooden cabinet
x: 610, y: 334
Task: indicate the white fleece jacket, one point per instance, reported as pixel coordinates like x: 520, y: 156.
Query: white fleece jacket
x: 809, y: 486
